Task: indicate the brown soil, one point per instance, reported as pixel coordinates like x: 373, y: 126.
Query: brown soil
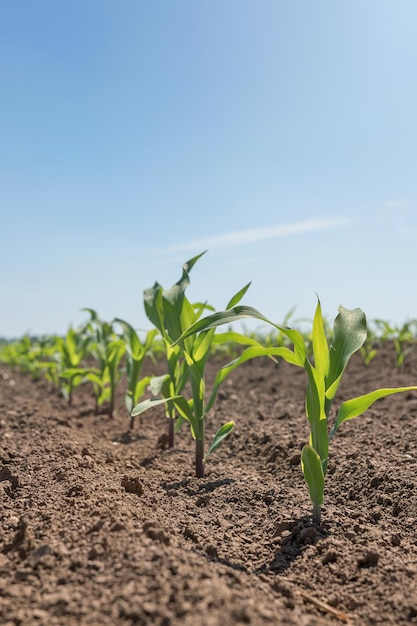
x: 100, y: 527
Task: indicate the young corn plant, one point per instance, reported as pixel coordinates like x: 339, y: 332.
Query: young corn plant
x: 32, y: 355
x: 403, y: 338
x: 167, y: 310
x: 108, y: 350
x: 173, y: 314
x: 324, y: 373
x: 369, y: 348
x: 71, y: 351
x: 136, y: 353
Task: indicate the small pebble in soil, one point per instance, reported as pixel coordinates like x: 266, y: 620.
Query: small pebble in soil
x: 333, y: 600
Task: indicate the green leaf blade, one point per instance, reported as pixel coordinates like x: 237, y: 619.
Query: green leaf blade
x: 349, y: 334
x: 313, y: 474
x: 248, y: 354
x: 358, y: 406
x: 237, y: 297
x: 320, y: 346
x: 219, y: 437
x: 150, y: 403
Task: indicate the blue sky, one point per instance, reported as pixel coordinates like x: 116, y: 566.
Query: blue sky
x: 281, y: 136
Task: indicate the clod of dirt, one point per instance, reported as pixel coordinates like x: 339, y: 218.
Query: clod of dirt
x: 74, y: 491
x: 211, y: 551
x: 22, y: 541
x: 162, y: 442
x: 329, y: 557
x: 132, y: 484
x: 369, y: 559
x: 153, y: 530
x: 6, y: 474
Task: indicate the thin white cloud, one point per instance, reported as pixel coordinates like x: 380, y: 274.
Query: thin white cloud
x: 254, y: 235
x: 394, y: 203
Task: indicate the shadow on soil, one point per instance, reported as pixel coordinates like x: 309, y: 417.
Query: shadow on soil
x: 172, y: 488
x: 128, y: 437
x: 291, y: 538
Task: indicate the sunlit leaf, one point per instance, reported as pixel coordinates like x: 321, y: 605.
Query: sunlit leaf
x: 357, y: 406
x: 238, y: 296
x: 219, y: 437
x: 313, y: 474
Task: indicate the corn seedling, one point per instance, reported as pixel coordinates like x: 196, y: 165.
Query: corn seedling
x: 167, y: 310
x: 369, y: 349
x: 136, y: 352
x: 72, y: 350
x: 402, y: 337
x: 174, y: 314
x: 109, y: 349
x: 324, y: 377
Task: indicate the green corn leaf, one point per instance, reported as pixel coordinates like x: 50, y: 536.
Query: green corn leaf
x: 71, y: 346
x: 178, y: 312
x: 149, y: 339
x: 238, y: 296
x: 116, y: 350
x: 200, y: 307
x: 357, y: 406
x: 248, y: 354
x: 154, y: 309
x: 219, y: 437
x: 150, y: 404
x: 186, y: 410
x: 349, y: 334
x: 244, y: 312
x: 156, y: 382
x: 230, y: 336
x: 69, y: 372
x: 320, y: 346
x: 129, y: 403
x: 222, y: 317
x: 316, y: 413
x: 132, y: 341
x: 196, y: 372
x: 188, y: 266
x: 140, y: 387
x: 93, y: 313
x: 313, y: 474
x: 104, y: 395
x: 202, y: 344
x: 132, y: 396
x: 179, y: 421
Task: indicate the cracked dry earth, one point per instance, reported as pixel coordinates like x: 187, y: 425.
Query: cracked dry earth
x: 104, y: 527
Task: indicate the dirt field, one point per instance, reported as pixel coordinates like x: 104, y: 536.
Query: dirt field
x: 100, y: 527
